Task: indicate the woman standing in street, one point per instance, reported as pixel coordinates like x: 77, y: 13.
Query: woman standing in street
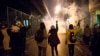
x: 53, y: 39
x: 41, y: 39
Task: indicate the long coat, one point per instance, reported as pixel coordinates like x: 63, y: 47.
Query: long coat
x: 53, y: 39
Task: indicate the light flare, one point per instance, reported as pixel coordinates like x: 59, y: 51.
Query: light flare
x: 57, y: 9
x: 46, y: 9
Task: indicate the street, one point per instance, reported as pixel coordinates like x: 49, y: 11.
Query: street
x: 80, y: 49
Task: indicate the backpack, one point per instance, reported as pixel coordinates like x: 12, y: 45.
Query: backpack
x: 39, y: 36
x: 72, y: 37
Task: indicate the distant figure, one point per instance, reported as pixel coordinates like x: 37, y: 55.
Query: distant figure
x: 94, y: 30
x: 79, y: 34
x: 95, y: 43
x: 87, y: 35
x: 41, y: 39
x: 53, y: 39
x: 71, y: 38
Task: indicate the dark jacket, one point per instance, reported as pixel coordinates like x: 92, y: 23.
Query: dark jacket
x: 95, y: 44
x: 22, y: 34
x: 53, y: 39
x: 1, y: 39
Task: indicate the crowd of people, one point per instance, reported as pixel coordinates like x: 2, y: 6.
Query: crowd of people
x: 13, y: 39
x: 89, y: 36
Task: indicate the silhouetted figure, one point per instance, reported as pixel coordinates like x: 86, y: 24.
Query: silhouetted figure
x: 79, y: 34
x: 18, y: 39
x: 95, y: 43
x: 71, y: 43
x: 87, y: 35
x: 53, y: 39
x: 1, y: 41
x: 14, y: 34
x: 22, y: 40
x: 41, y: 39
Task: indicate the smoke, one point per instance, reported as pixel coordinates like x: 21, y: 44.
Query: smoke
x: 69, y: 14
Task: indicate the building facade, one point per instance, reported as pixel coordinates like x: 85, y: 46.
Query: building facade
x: 94, y: 9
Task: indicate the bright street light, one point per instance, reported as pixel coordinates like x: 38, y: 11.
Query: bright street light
x: 57, y: 9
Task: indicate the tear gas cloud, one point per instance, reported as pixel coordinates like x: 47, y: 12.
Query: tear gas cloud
x: 66, y: 13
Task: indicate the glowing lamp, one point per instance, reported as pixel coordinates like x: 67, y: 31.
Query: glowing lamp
x: 57, y: 9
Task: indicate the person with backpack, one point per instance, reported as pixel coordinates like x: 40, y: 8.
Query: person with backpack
x: 41, y: 39
x: 53, y: 38
x: 71, y: 38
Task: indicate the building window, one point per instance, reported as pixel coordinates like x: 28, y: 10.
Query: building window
x: 25, y: 22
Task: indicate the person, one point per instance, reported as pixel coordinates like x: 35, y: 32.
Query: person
x: 22, y: 35
x: 79, y: 34
x: 14, y: 34
x: 6, y: 39
x: 1, y: 41
x: 87, y: 35
x: 67, y: 41
x: 42, y: 43
x: 95, y: 43
x: 53, y: 39
x: 18, y: 38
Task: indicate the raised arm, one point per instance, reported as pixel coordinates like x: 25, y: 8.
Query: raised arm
x: 57, y: 25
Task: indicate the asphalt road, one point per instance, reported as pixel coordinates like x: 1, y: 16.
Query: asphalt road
x: 80, y: 48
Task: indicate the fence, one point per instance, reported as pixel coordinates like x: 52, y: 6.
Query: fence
x: 14, y: 15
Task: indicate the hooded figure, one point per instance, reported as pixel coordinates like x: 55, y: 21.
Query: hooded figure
x: 53, y: 39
